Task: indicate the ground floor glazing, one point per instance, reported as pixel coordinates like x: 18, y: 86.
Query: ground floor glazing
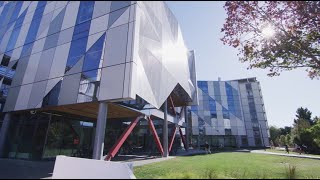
x: 45, y: 135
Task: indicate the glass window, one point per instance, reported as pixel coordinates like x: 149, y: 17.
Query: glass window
x: 13, y: 39
x: 248, y: 86
x: 256, y: 131
x: 20, y: 19
x: 5, y: 60
x: 85, y: 11
x: 52, y: 97
x: 26, y: 50
x: 51, y: 41
x: 3, y: 15
x: 244, y: 140
x: 16, y: 11
x: 213, y: 115
x: 90, y: 76
x: 119, y: 4
x: 228, y: 132
x: 88, y: 92
x: 81, y: 30
x: 258, y: 141
x: 33, y: 30
x: 92, y: 61
x: 77, y: 49
x: 194, y: 108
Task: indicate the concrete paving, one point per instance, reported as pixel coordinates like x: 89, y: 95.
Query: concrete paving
x: 288, y: 155
x: 22, y: 169
x: 149, y: 161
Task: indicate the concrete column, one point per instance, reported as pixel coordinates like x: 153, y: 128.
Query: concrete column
x: 187, y: 126
x: 4, y: 133
x: 100, y: 131
x: 165, y: 131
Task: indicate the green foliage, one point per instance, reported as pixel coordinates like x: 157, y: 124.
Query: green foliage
x: 282, y: 140
x: 315, y: 132
x: 295, y: 40
x: 274, y: 133
x: 304, y: 113
x: 288, y: 140
x: 286, y: 130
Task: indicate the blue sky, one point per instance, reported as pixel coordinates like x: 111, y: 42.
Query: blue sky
x: 201, y: 23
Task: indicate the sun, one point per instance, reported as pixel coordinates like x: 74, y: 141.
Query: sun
x: 268, y: 32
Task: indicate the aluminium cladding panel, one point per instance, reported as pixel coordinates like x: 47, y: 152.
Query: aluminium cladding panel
x: 193, y: 74
x: 42, y: 63
x: 159, y: 55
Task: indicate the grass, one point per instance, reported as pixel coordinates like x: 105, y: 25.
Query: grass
x: 230, y: 165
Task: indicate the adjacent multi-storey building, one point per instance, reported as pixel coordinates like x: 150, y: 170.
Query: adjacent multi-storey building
x: 230, y: 113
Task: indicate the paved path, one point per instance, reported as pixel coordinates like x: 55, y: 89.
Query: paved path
x: 288, y: 155
x: 22, y: 169
x: 148, y: 161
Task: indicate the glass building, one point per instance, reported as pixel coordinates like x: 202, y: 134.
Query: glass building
x: 229, y: 114
x: 74, y: 75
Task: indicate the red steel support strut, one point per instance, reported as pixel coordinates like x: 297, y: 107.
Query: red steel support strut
x: 172, y: 138
x: 115, y: 148
x: 155, y: 136
x: 172, y: 105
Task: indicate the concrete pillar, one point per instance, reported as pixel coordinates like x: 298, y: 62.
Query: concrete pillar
x: 165, y: 131
x: 187, y: 126
x: 4, y: 133
x: 100, y: 131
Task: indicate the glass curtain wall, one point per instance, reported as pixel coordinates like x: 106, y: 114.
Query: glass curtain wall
x: 45, y: 135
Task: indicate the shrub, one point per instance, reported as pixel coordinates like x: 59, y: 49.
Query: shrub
x: 291, y: 172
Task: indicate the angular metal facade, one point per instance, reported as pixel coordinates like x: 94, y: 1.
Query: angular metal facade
x: 57, y: 53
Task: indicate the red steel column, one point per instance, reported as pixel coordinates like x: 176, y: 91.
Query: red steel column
x: 172, y: 138
x: 155, y: 135
x: 115, y: 148
x: 172, y: 105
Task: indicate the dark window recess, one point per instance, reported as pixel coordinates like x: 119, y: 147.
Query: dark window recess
x: 5, y: 60
x: 227, y: 131
x: 51, y: 99
x: 244, y: 140
x: 226, y: 115
x: 258, y: 141
x: 213, y: 115
x: 6, y: 82
x: 14, y: 67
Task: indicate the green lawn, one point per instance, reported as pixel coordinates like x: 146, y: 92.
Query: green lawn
x: 229, y: 165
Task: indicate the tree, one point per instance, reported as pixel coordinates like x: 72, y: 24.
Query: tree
x: 286, y: 130
x: 315, y: 131
x: 304, y: 113
x: 275, y: 35
x: 299, y: 127
x: 277, y: 142
x: 289, y: 140
x: 274, y: 133
x: 316, y: 119
x: 282, y: 140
